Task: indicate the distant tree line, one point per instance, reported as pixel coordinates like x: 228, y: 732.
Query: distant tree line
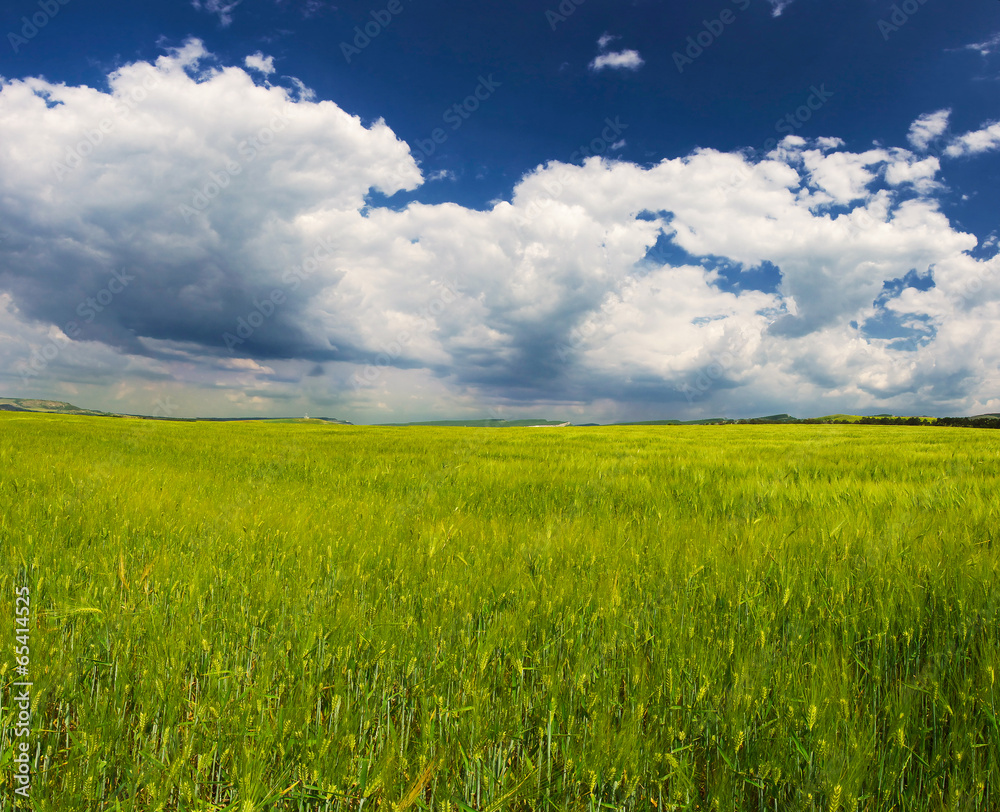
x: 987, y: 422
x: 970, y: 422
x: 894, y: 421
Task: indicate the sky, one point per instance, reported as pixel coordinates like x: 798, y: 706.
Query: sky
x: 585, y: 210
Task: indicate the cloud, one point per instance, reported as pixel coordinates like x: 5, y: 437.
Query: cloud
x: 618, y: 60
x: 778, y: 6
x: 843, y: 177
x: 928, y: 128
x: 921, y: 174
x: 191, y: 235
x: 206, y: 220
x: 222, y: 8
x: 976, y: 142
x: 442, y: 174
x: 987, y: 47
x: 259, y: 62
x: 307, y: 8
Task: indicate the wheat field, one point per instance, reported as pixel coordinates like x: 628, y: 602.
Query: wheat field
x: 311, y: 617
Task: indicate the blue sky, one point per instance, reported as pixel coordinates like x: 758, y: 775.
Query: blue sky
x: 600, y: 211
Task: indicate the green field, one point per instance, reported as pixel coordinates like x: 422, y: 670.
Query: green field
x: 246, y: 616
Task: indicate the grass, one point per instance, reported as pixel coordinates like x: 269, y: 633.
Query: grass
x: 310, y: 617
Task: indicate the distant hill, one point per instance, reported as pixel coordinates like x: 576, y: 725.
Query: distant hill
x: 62, y: 407
x: 773, y: 418
x: 48, y: 406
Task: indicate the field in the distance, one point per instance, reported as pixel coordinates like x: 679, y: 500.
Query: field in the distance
x: 256, y: 617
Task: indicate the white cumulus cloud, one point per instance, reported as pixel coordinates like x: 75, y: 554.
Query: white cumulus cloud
x: 259, y: 62
x: 978, y: 141
x: 189, y: 235
x: 928, y: 128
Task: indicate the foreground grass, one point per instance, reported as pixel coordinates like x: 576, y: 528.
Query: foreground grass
x: 254, y: 617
